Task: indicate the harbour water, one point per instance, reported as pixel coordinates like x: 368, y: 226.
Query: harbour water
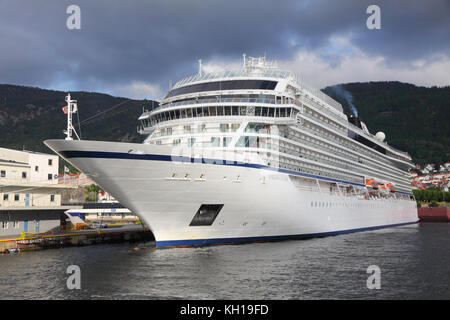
x: 414, y: 261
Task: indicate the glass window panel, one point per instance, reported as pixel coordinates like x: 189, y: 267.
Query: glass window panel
x: 224, y: 85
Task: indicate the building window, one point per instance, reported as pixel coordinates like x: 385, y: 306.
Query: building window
x: 5, y: 197
x: 3, y: 174
x: 49, y: 176
x: 16, y: 197
x: 52, y: 198
x: 36, y: 168
x: 50, y: 162
x: 24, y: 175
x: 4, y: 224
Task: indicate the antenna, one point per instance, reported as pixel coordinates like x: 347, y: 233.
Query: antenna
x: 200, y: 66
x: 70, y: 109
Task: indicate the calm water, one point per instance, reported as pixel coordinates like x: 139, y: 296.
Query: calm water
x: 414, y: 262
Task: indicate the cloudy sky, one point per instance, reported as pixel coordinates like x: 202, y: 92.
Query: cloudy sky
x: 134, y: 48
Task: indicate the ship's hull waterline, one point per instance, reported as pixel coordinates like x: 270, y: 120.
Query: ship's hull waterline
x: 256, y: 203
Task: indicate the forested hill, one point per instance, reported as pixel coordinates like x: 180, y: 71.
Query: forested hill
x: 414, y: 119
x: 30, y: 115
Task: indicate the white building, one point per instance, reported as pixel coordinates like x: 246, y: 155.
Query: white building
x: 43, y: 168
x: 30, y: 199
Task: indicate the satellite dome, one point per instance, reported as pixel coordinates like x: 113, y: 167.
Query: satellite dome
x: 380, y: 136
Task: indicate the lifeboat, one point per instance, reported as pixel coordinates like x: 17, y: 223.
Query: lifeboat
x: 372, y: 183
x: 390, y: 186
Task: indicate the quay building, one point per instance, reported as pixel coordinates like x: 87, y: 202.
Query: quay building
x: 30, y: 195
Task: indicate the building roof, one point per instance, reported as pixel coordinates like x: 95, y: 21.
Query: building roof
x: 13, y: 162
x: 40, y: 153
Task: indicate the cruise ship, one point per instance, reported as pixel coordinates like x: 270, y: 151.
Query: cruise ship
x: 246, y: 155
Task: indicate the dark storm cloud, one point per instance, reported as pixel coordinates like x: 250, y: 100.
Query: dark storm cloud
x: 154, y: 41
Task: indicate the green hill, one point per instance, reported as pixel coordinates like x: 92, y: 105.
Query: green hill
x: 30, y: 115
x: 414, y: 119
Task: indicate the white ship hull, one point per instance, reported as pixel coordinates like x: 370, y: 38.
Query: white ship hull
x: 258, y: 203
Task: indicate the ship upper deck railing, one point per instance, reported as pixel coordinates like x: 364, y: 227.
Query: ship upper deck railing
x: 249, y: 72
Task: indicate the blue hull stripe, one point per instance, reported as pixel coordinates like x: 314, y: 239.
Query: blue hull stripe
x: 203, y: 242
x: 159, y: 157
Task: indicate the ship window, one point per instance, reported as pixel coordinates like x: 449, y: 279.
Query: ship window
x: 202, y: 128
x: 224, y: 127
x: 228, y: 111
x: 235, y: 111
x: 212, y: 111
x: 227, y: 141
x: 220, y: 111
x: 176, y: 141
x: 224, y: 85
x: 257, y: 111
x: 234, y: 127
x: 206, y: 215
x: 215, y: 141
x: 277, y: 112
x: 191, y: 142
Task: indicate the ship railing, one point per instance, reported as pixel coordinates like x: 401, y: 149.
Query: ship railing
x: 333, y: 128
x: 335, y: 116
x: 216, y: 100
x: 361, y: 150
x: 247, y: 73
x: 322, y: 96
x: 258, y: 73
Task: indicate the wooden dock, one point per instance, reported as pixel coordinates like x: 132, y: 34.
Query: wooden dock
x: 26, y: 242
